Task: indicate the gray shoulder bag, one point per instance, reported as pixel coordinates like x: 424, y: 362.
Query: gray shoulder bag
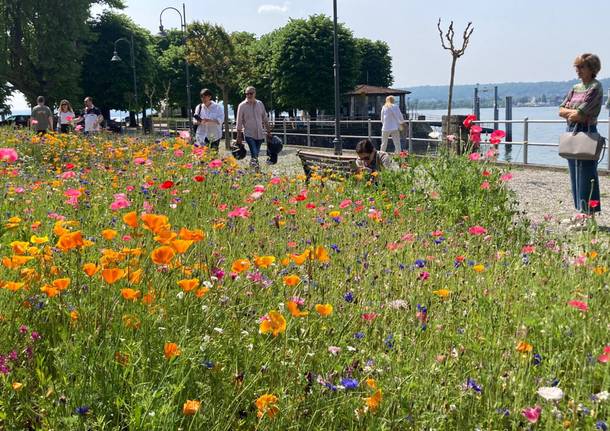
x: 581, y: 145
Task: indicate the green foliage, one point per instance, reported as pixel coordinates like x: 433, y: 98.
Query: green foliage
x: 44, y: 41
x: 303, y: 63
x: 376, y: 63
x: 111, y: 83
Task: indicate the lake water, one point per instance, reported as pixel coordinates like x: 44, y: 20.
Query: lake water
x: 538, y: 133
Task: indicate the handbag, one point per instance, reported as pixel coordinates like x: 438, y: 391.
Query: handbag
x: 581, y: 145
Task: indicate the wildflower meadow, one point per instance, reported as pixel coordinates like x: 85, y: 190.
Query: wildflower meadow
x: 149, y: 284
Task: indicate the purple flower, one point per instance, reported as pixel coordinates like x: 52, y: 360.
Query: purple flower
x: 23, y: 329
x: 359, y: 335
x: 82, y: 410
x: 472, y: 384
x: 349, y: 383
x: 348, y: 296
x: 420, y: 263
x: 35, y: 336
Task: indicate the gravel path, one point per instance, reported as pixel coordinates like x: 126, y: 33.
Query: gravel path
x: 540, y: 192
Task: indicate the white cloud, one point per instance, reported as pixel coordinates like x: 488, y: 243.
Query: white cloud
x: 273, y: 8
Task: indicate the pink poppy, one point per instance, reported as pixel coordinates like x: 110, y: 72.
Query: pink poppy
x: 369, y: 317
x: 506, y: 177
x: 185, y: 134
x: 476, y: 129
x: 241, y: 212
x: 214, y: 164
x: 477, y: 230
x: 491, y: 153
x: 72, y: 193
x: 474, y: 156
x: 78, y: 128
x: 67, y: 175
x: 485, y: 185
x: 178, y: 153
x: 8, y: 155
x: 582, y: 306
x: 345, y: 203
x: 120, y: 202
x: 486, y: 173
x: 532, y: 414
x: 275, y: 180
x: 259, y: 188
x: 475, y: 137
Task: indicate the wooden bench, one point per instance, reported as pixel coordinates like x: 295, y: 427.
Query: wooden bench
x: 327, y: 163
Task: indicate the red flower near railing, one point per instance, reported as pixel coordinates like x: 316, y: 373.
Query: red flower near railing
x: 468, y: 121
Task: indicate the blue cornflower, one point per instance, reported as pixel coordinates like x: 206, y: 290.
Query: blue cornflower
x: 389, y: 343
x: 536, y: 359
x: 359, y: 335
x: 208, y: 364
x: 349, y: 383
x: 330, y: 386
x: 82, y: 410
x: 472, y: 384
x: 601, y: 425
x: 503, y: 411
x: 348, y: 296
x: 336, y: 248
x: 420, y: 263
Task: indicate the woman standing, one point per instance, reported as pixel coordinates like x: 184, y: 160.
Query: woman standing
x: 391, y: 120
x: 581, y: 108
x: 66, y: 115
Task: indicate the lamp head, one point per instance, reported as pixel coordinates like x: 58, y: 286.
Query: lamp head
x: 115, y: 58
x: 162, y: 31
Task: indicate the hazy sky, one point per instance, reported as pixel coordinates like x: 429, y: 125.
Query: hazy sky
x: 513, y: 40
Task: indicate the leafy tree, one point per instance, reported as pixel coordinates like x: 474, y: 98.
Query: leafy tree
x: 44, y: 45
x: 211, y: 50
x: 171, y: 53
x: 5, y: 93
x: 376, y: 63
x: 111, y: 83
x: 303, y: 63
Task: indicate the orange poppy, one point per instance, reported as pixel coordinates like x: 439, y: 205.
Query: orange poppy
x: 109, y: 234
x: 50, y: 291
x: 524, y: 347
x: 19, y: 247
x: 321, y: 254
x: 165, y: 236
x: 39, y: 239
x: 155, y: 223
x: 135, y: 276
x: 300, y: 259
x: 61, y: 283
x: 190, y: 407
x: 292, y: 280
x: 131, y: 321
x: 69, y: 241
x: 264, y: 261
x: 171, y: 350
x: 372, y: 402
x: 131, y: 219
x: 181, y: 245
x: 162, y: 255
x: 192, y: 235
x: 201, y: 292
x: 240, y: 265
x: 267, y: 405
x: 112, y: 275
x: 13, y: 286
x: 90, y: 269
x: 293, y: 307
x: 324, y: 310
x: 273, y: 322
x: 130, y: 294
x: 188, y: 285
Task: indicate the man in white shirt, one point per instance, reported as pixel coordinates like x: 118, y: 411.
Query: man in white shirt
x: 253, y: 125
x: 209, y: 117
x: 93, y: 117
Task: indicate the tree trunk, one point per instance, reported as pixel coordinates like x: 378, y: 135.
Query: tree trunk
x: 450, y: 102
x: 106, y: 114
x: 183, y: 112
x: 225, y: 102
x: 132, y: 119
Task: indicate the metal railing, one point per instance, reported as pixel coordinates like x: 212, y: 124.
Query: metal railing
x: 303, y: 128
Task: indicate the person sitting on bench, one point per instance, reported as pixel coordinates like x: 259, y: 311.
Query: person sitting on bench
x: 371, y: 160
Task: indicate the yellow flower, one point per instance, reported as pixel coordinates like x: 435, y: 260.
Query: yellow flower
x: 19, y: 247
x: 266, y: 405
x: 479, y: 267
x: 334, y: 214
x: 273, y: 322
x: 324, y: 310
x: 17, y: 386
x: 600, y: 270
x: 109, y: 234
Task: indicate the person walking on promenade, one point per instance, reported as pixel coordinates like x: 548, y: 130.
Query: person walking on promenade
x: 370, y: 160
x: 93, y: 117
x: 391, y: 122
x: 42, y: 117
x: 253, y: 125
x: 66, y: 116
x: 209, y: 117
x: 581, y: 108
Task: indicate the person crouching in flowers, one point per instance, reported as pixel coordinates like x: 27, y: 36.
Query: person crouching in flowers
x: 580, y: 108
x: 370, y: 160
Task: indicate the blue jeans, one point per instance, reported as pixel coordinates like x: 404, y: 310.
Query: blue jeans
x: 583, y: 177
x: 255, y: 146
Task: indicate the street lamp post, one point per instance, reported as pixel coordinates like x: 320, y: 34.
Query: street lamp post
x: 337, y: 140
x: 186, y: 63
x: 115, y: 58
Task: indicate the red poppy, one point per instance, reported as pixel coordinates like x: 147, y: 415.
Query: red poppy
x: 199, y: 178
x: 593, y: 203
x: 468, y: 121
x: 167, y: 185
x: 69, y: 166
